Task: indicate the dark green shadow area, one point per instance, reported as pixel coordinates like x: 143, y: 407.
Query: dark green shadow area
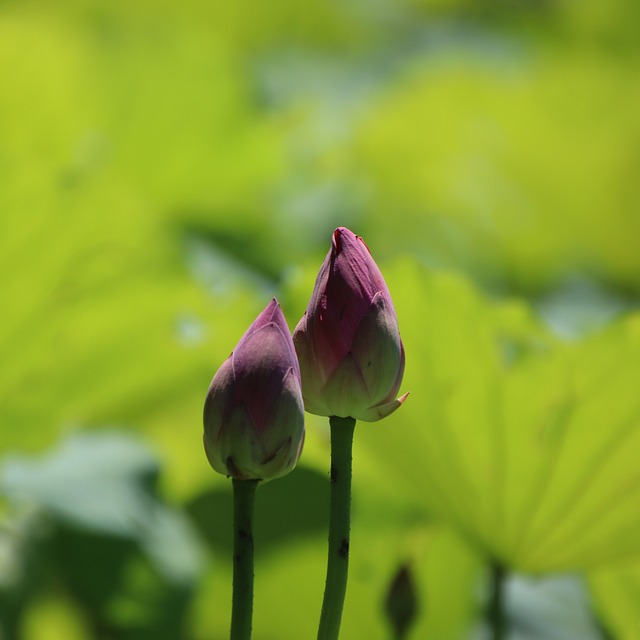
x: 244, y: 253
x: 121, y: 594
x: 286, y: 509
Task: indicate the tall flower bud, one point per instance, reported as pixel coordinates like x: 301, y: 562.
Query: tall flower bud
x: 253, y: 413
x: 348, y: 343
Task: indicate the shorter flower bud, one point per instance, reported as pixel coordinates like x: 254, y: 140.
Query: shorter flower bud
x: 253, y: 413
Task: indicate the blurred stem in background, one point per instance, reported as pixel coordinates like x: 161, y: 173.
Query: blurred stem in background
x: 496, y: 612
x: 339, y: 524
x: 402, y: 602
x: 244, y: 492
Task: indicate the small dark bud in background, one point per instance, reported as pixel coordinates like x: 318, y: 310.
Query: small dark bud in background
x: 401, y: 602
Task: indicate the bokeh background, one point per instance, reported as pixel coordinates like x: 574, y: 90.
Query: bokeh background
x: 166, y: 167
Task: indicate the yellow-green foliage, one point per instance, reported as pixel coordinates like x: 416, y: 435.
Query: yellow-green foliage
x: 166, y: 167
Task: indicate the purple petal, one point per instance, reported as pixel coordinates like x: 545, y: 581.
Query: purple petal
x: 219, y: 401
x: 260, y: 366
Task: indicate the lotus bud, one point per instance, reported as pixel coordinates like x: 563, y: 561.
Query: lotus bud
x: 253, y: 413
x: 348, y: 343
x: 402, y: 602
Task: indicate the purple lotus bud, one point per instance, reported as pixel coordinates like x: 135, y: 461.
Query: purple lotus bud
x: 348, y: 344
x: 254, y: 414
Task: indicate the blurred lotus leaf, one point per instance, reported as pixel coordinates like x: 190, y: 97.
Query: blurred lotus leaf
x: 91, y: 508
x: 526, y: 444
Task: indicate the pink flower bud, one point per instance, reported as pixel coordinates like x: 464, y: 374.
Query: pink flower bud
x: 348, y: 344
x: 253, y: 413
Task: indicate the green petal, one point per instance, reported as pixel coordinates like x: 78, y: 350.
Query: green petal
x: 346, y: 394
x: 237, y: 450
x: 378, y: 350
x: 373, y: 414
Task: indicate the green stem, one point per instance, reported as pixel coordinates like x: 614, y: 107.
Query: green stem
x: 496, y: 612
x: 244, y: 492
x: 339, y: 525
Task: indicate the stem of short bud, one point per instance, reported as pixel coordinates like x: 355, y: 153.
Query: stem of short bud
x: 339, y: 525
x: 244, y: 492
